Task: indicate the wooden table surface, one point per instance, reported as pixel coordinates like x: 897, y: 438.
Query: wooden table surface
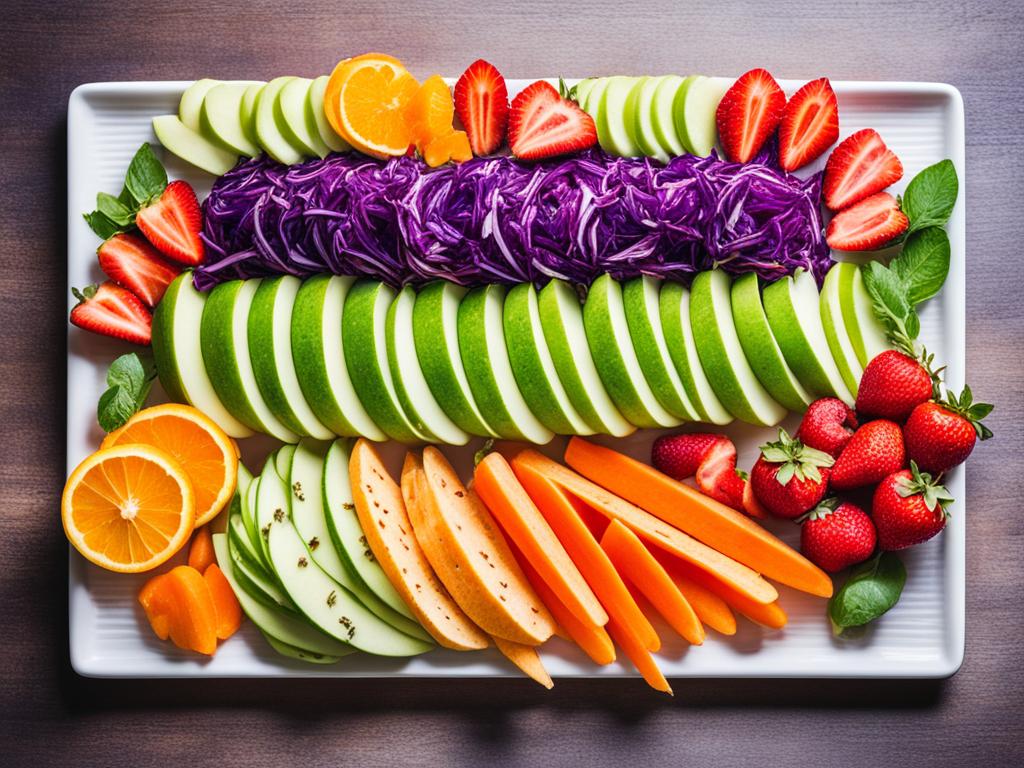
x: 49, y: 716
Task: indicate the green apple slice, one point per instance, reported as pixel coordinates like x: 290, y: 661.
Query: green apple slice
x: 243, y: 551
x: 364, y: 328
x: 315, y: 110
x: 640, y: 118
x: 489, y: 371
x: 319, y: 354
x: 583, y: 88
x: 640, y: 298
x: 836, y: 332
x: 268, y: 128
x: 251, y: 527
x: 436, y: 333
x: 178, y: 354
x: 414, y: 394
x: 792, y: 307
x: 347, y: 534
x: 612, y: 132
x: 297, y: 122
x: 866, y: 332
x: 674, y: 307
x: 224, y: 338
x: 299, y: 654
x: 191, y: 104
x: 761, y: 349
x: 695, y: 108
x: 190, y: 146
x: 533, y: 367
x: 271, y: 503
x: 663, y: 114
x: 604, y: 318
x: 590, y: 102
x: 253, y: 578
x: 561, y: 319
x: 248, y: 112
x: 283, y: 460
x: 721, y: 354
x: 220, y: 119
x: 270, y: 349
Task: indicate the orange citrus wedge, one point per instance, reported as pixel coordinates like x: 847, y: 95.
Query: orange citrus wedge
x: 128, y: 508
x: 430, y: 111
x: 453, y: 145
x: 365, y: 102
x: 208, y: 456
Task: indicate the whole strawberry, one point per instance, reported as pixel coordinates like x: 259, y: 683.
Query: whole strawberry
x: 892, y: 384
x: 836, y: 535
x: 790, y: 478
x: 828, y: 425
x: 941, y: 435
x: 680, y: 456
x: 875, y: 451
x: 908, y: 508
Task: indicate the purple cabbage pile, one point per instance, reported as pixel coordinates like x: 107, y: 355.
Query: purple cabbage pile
x: 502, y: 220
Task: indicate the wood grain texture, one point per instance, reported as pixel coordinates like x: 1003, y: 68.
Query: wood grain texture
x: 48, y: 716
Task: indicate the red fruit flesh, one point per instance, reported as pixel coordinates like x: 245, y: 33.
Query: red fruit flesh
x: 717, y: 476
x: 788, y: 501
x: 892, y: 385
x: 172, y: 224
x: 874, y: 452
x: 133, y: 263
x: 903, y: 521
x: 750, y: 503
x: 481, y: 102
x: 543, y: 124
x: 748, y: 114
x: 868, y: 225
x: 827, y: 425
x: 680, y: 456
x: 836, y: 539
x: 938, y: 439
x: 809, y: 126
x: 111, y: 310
x: 858, y: 168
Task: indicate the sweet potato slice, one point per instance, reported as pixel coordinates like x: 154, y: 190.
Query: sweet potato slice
x: 200, y: 552
x: 226, y: 606
x: 389, y: 534
x: 527, y: 659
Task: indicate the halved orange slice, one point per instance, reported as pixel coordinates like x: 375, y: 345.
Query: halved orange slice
x: 208, y: 456
x: 430, y: 111
x: 128, y: 508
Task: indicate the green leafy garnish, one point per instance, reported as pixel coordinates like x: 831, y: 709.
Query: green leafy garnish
x: 872, y: 589
x: 114, y: 209
x: 144, y: 181
x: 930, y: 196
x: 146, y: 177
x: 923, y: 265
x: 129, y: 379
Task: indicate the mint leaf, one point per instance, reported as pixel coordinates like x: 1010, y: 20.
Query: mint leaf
x: 887, y: 294
x: 146, y: 177
x: 101, y: 225
x: 129, y: 380
x: 872, y: 589
x: 931, y: 195
x: 923, y: 264
x: 114, y: 209
x: 115, y: 407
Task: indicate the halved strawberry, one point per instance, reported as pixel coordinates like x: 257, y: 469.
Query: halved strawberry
x: 717, y: 476
x: 860, y: 166
x: 111, y: 310
x: 133, y: 263
x: 869, y: 224
x: 748, y: 114
x: 172, y: 224
x: 481, y: 102
x: 810, y: 125
x: 543, y: 124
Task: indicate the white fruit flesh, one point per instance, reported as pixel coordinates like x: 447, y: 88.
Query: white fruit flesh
x: 296, y: 119
x: 662, y: 116
x: 695, y: 110
x: 191, y: 104
x: 221, y: 119
x: 836, y: 332
x: 268, y: 131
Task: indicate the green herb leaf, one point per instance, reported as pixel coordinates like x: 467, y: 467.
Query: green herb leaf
x: 931, y: 195
x: 887, y: 295
x: 115, y: 210
x: 923, y: 264
x: 101, y: 225
x: 146, y: 177
x: 872, y: 589
x: 129, y: 380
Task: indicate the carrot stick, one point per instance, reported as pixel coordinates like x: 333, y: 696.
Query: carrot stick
x: 718, y: 526
x: 709, y: 607
x: 228, y: 610
x: 769, y: 615
x: 650, y: 528
x: 634, y: 649
x: 526, y: 658
x: 631, y: 558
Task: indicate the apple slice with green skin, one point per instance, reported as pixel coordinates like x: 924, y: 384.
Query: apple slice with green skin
x: 583, y: 88
x: 297, y: 123
x: 533, y: 367
x: 363, y: 331
x: 299, y: 654
x: 866, y: 332
x: 761, y: 349
x: 640, y: 297
x: 561, y: 319
x: 489, y: 371
x: 248, y: 112
x: 191, y: 146
x: 249, y: 520
x: 268, y: 128
x: 695, y: 108
x: 414, y: 394
x: 640, y: 118
x: 220, y: 119
x: 224, y: 338
x: 612, y: 132
x: 721, y: 354
x: 283, y: 460
x: 435, y: 330
x: 252, y: 577
x: 663, y: 114
x: 191, y: 104
x: 178, y: 354
x: 319, y: 353
x: 591, y: 100
x: 834, y: 324
x: 604, y: 318
x: 315, y: 111
x: 674, y: 307
x: 793, y: 308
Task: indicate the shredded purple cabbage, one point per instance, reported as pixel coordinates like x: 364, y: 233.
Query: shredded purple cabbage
x: 502, y: 220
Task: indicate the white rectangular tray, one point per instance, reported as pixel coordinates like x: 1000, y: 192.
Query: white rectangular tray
x: 923, y: 636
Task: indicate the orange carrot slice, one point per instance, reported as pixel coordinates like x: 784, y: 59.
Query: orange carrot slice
x: 634, y: 649
x: 526, y: 658
x: 200, y: 553
x: 730, y: 532
x: 584, y: 550
x: 631, y: 558
x: 229, y: 612
x: 182, y: 605
x: 524, y: 525
x: 711, y: 609
x: 770, y: 615
x: 160, y: 604
x: 650, y: 528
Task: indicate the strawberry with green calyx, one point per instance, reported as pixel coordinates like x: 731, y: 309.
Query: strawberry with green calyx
x: 875, y: 451
x: 836, y: 534
x: 895, y: 382
x: 941, y: 435
x: 789, y: 478
x: 909, y: 507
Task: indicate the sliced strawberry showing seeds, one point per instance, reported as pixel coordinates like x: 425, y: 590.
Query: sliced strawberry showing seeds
x: 859, y: 167
x: 111, y: 310
x: 810, y: 125
x: 717, y: 476
x: 748, y: 114
x: 172, y: 224
x: 481, y: 102
x: 543, y: 124
x: 868, y: 225
x: 133, y: 263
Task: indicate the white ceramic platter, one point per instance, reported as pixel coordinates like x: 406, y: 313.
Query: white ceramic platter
x: 922, y: 637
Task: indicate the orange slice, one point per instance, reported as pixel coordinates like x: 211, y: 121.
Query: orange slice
x: 204, y: 451
x: 128, y: 508
x: 365, y: 102
x: 453, y: 145
x: 430, y: 111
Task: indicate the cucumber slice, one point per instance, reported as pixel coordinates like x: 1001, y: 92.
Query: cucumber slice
x: 300, y: 654
x: 836, y: 332
x: 485, y: 357
x: 561, y: 319
x: 268, y: 129
x: 663, y: 117
x: 248, y: 112
x: 220, y: 119
x: 604, y: 318
x: 191, y: 104
x: 315, y: 108
x: 191, y: 146
x: 297, y: 122
x: 640, y: 118
x: 612, y: 131
x: 695, y: 108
